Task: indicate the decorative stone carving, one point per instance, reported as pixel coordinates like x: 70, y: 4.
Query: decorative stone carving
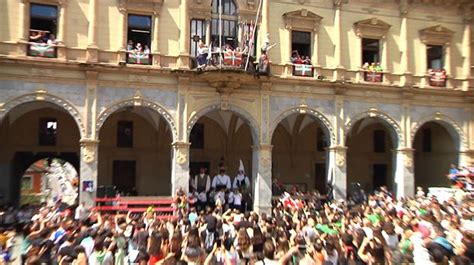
x: 147, y: 6
x: 132, y: 102
x: 375, y: 113
x: 371, y: 28
x: 182, y: 150
x: 88, y: 151
x: 43, y: 95
x: 302, y: 20
x: 303, y: 108
x: 437, y: 35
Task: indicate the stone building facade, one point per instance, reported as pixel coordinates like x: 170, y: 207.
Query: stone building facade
x: 333, y: 126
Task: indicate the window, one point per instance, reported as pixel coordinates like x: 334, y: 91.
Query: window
x: 44, y: 19
x: 301, y: 42
x: 197, y: 136
x: 43, y: 27
x: 139, y: 39
x: 322, y: 144
x: 125, y: 134
x: 427, y: 140
x: 229, y: 23
x: 370, y: 51
x: 434, y: 54
x: 48, y: 130
x: 198, y: 32
x: 379, y: 141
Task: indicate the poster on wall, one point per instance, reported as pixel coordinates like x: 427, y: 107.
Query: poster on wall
x: 87, y: 186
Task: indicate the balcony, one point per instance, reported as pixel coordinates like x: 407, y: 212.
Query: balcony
x: 230, y: 60
x: 305, y: 70
x: 437, y: 77
x: 44, y: 50
x: 373, y: 76
x: 139, y: 58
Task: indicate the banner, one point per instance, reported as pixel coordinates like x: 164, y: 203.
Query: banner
x: 371, y: 76
x: 442, y: 194
x: 139, y: 58
x: 303, y: 70
x: 233, y: 58
x: 42, y: 50
x: 437, y: 77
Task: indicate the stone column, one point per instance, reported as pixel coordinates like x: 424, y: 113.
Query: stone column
x: 337, y: 172
x: 404, y: 173
x: 180, y: 167
x: 88, y: 170
x: 447, y: 63
x: 404, y: 79
x: 262, y: 178
x: 61, y: 34
x: 92, y: 49
x: 287, y: 53
x: 208, y: 31
x: 339, y: 69
x: 155, y: 42
x: 23, y: 31
x: 122, y: 56
x: 183, y: 59
x: 466, y: 51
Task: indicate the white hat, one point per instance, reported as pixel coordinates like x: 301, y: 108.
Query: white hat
x: 241, y: 166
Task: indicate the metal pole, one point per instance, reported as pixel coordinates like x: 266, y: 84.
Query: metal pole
x: 220, y: 34
x: 253, y: 33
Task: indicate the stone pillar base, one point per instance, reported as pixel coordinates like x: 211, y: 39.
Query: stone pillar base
x: 337, y: 172
x: 88, y: 171
x: 180, y: 167
x: 184, y: 61
x: 92, y: 54
x: 262, y: 176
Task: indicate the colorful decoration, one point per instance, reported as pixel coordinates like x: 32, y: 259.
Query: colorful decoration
x: 42, y: 50
x: 232, y: 58
x: 303, y: 70
x: 138, y: 58
x: 437, y: 77
x: 373, y: 76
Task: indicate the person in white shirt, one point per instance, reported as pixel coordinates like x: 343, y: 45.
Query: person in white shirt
x: 81, y: 212
x: 237, y: 199
x: 202, y: 185
x: 221, y: 181
x: 241, y: 181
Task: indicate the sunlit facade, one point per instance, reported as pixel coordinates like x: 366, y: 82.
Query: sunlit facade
x: 368, y: 91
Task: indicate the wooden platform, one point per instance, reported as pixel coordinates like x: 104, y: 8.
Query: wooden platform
x: 163, y: 206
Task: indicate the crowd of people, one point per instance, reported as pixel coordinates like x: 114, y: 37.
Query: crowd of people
x: 301, y: 229
x: 137, y: 48
x: 372, y: 67
x: 296, y: 58
x: 42, y: 37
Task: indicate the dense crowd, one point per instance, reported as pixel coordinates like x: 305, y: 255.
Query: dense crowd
x: 301, y: 229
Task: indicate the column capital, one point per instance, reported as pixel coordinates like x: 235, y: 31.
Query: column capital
x: 180, y: 145
x: 88, y: 142
x: 338, y: 148
x: 262, y: 147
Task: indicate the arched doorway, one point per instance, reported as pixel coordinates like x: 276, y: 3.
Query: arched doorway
x: 135, y: 152
x: 221, y: 138
x: 48, y: 180
x: 370, y: 154
x: 300, y: 153
x: 29, y: 132
x: 436, y: 147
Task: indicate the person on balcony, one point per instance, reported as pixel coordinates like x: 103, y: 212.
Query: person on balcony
x: 202, y: 54
x: 36, y: 36
x: 307, y: 60
x: 146, y: 50
x: 378, y: 67
x: 130, y: 46
x: 139, y: 48
x: 52, y: 39
x: 294, y: 57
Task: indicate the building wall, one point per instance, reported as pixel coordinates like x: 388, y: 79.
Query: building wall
x: 89, y: 84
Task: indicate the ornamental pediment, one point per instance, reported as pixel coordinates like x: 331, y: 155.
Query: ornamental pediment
x: 436, y: 35
x: 372, y: 28
x: 141, y: 5
x: 201, y: 9
x: 302, y: 20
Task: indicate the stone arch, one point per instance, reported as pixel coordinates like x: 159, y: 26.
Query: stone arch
x: 162, y: 111
x: 396, y: 131
x: 253, y: 124
x: 305, y: 110
x: 454, y: 129
x: 44, y: 96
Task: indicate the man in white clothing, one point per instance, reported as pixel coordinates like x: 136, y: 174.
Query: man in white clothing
x: 202, y: 185
x: 221, y: 181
